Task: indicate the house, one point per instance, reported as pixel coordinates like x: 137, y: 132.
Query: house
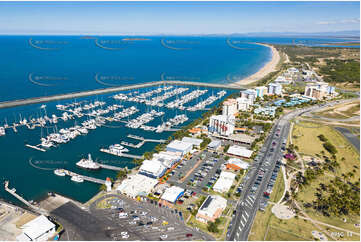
x: 211, y: 208
x: 38, y: 229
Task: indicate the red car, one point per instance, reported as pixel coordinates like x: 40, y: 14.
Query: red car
x: 189, y: 235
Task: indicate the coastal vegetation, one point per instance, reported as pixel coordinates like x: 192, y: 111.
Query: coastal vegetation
x: 337, y: 65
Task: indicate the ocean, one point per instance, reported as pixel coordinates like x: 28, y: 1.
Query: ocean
x: 33, y: 66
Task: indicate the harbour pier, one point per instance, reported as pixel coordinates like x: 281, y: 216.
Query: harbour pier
x: 20, y: 198
x: 86, y: 178
x: 146, y: 140
x: 20, y: 102
x: 109, y: 167
x: 122, y: 154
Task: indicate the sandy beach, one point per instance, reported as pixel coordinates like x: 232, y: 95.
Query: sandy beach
x: 264, y: 71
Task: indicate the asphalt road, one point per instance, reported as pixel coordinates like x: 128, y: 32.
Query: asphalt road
x: 249, y: 202
x: 353, y: 139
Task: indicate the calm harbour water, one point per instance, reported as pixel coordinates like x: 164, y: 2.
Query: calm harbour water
x: 33, y: 66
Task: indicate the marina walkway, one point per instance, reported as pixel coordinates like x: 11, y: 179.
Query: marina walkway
x: 109, y: 167
x: 20, y: 198
x: 86, y: 178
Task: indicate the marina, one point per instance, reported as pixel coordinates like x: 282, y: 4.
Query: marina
x: 59, y: 134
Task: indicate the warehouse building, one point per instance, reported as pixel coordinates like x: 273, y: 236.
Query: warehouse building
x: 239, y: 151
x: 224, y: 182
x: 152, y: 168
x: 171, y: 195
x: 179, y: 146
x: 137, y: 185
x: 237, y: 164
x: 38, y: 229
x: 195, y: 142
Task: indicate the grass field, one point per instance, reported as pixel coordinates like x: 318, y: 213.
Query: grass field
x: 309, y: 143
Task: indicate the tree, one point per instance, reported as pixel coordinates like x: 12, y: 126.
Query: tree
x: 330, y: 147
x: 212, y: 227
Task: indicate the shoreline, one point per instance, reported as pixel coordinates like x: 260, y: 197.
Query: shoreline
x: 269, y: 67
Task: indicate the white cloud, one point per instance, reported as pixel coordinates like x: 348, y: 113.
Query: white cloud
x: 343, y: 21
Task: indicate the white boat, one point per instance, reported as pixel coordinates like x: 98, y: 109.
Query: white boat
x: 77, y: 179
x: 59, y: 172
x: 2, y: 131
x: 88, y: 164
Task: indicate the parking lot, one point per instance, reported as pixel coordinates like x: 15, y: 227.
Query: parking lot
x: 144, y: 220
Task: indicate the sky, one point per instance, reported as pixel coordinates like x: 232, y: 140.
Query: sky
x: 176, y: 18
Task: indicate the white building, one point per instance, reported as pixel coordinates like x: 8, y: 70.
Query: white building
x: 260, y: 91
x: 172, y: 194
x: 195, y: 142
x: 179, y: 146
x: 152, y: 168
x: 215, y: 144
x: 221, y: 124
x: 318, y: 90
x: 38, y: 229
x: 274, y: 89
x: 168, y: 158
x: 243, y: 104
x: 239, y: 151
x: 211, y: 209
x: 137, y: 185
x: 249, y: 93
x: 237, y: 164
x: 224, y: 182
x: 229, y: 107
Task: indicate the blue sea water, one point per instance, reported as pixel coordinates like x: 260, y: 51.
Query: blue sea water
x: 33, y: 66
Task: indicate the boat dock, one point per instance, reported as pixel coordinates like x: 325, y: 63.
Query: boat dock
x: 109, y: 167
x: 86, y: 178
x: 146, y: 140
x: 20, y: 198
x: 122, y: 154
x: 35, y: 147
x: 20, y: 102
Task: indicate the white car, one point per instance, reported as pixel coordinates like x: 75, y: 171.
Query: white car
x: 136, y: 219
x: 123, y: 215
x: 170, y: 228
x: 124, y: 233
x: 164, y: 236
x: 132, y: 222
x: 126, y: 236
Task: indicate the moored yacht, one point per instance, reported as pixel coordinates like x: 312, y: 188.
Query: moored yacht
x: 88, y: 163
